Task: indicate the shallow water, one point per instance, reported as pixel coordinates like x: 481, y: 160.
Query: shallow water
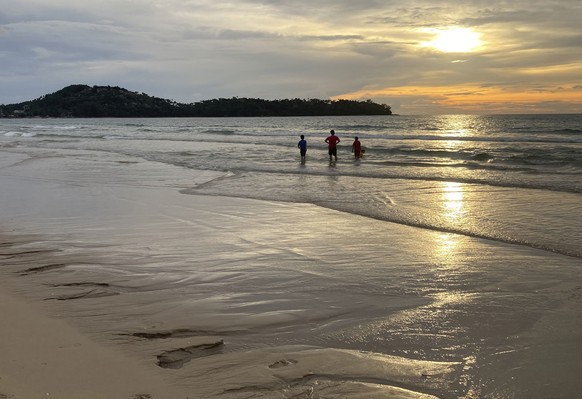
x: 510, y: 178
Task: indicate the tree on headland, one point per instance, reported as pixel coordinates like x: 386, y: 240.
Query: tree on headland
x: 93, y: 102
x: 82, y: 101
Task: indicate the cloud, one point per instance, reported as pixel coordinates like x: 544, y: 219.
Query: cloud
x: 490, y: 98
x: 189, y: 50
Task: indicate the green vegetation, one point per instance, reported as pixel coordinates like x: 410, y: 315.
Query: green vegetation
x: 81, y: 101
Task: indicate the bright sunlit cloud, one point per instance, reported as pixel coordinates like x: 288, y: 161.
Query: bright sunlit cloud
x: 454, y: 40
x: 473, y: 98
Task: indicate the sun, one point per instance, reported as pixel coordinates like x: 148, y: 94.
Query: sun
x: 454, y: 40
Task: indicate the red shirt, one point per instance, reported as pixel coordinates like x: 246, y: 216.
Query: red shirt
x: 332, y: 141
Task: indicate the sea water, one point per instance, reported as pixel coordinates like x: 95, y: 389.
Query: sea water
x: 511, y: 178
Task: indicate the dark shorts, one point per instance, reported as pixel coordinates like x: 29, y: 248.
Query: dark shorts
x: 333, y: 151
x: 303, y: 152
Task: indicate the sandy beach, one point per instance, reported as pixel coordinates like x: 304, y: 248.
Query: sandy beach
x: 116, y: 284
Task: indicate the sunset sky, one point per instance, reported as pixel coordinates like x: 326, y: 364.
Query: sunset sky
x: 420, y: 57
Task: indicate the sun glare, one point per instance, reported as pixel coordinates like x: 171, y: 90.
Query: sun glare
x: 454, y: 40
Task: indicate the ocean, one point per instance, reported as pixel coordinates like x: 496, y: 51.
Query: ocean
x: 510, y: 178
x: 455, y: 241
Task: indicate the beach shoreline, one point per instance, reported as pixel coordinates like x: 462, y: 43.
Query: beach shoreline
x: 62, y: 274
x: 202, y: 296
x: 44, y: 355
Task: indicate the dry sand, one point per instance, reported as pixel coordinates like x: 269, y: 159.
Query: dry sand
x: 45, y: 357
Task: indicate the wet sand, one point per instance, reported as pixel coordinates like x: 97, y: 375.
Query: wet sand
x: 43, y: 356
x: 116, y: 285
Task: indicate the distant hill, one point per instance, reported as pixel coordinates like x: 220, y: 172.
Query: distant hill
x: 82, y: 101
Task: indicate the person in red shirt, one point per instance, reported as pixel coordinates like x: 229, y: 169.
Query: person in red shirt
x: 357, y: 148
x: 332, y: 141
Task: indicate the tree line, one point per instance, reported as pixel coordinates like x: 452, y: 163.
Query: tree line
x: 82, y: 101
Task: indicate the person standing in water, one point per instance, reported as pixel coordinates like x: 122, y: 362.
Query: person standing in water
x: 302, y: 145
x: 332, y: 140
x: 357, y: 148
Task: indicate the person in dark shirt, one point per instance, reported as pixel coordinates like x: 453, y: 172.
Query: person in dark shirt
x: 302, y: 145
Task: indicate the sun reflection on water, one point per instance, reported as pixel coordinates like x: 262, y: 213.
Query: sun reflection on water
x: 448, y: 250
x: 453, y: 195
x: 447, y: 244
x: 453, y: 212
x: 459, y: 125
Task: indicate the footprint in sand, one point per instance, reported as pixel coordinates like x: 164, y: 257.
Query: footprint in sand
x: 282, y: 363
x: 175, y: 359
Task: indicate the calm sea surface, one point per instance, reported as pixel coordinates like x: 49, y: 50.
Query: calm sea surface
x: 514, y: 178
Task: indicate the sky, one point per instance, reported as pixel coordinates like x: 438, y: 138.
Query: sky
x: 419, y: 57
